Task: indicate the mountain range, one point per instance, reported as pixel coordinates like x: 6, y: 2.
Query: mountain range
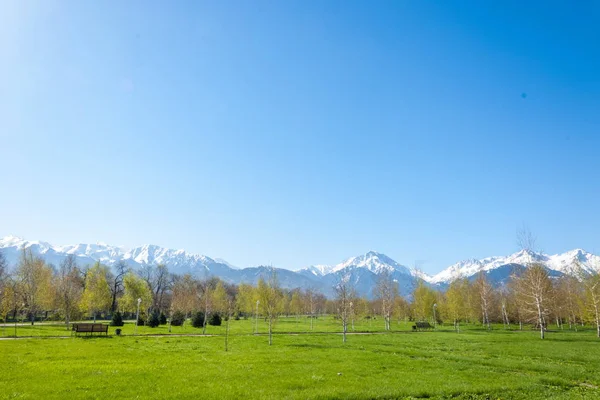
x: 363, y: 269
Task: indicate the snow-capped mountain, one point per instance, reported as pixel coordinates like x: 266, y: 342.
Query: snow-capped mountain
x: 363, y: 270
x: 561, y: 263
x: 178, y: 261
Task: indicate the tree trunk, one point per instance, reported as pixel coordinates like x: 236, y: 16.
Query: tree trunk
x: 270, y: 331
x: 226, y: 333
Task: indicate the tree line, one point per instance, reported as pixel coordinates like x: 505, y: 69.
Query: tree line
x: 36, y: 290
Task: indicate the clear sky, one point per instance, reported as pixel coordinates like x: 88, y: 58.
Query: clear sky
x: 297, y: 133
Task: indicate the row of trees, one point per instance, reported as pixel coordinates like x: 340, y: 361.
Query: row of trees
x: 39, y: 290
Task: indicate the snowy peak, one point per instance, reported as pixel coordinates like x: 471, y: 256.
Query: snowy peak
x: 374, y: 262
x: 317, y: 270
x: 148, y: 254
x: 564, y: 263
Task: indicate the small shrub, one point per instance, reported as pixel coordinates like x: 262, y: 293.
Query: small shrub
x: 215, y: 319
x: 162, y: 319
x: 178, y: 318
x: 117, y: 319
x: 153, y: 321
x: 198, y: 320
x: 140, y: 321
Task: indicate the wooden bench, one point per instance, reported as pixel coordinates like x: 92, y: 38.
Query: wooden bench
x: 421, y: 325
x: 89, y: 328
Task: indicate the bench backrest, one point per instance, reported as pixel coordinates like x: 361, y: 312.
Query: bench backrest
x: 90, y: 328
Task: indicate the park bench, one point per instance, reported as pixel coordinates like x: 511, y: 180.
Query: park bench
x: 421, y: 325
x: 89, y: 328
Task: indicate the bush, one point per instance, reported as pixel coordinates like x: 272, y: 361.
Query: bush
x: 198, y: 320
x: 140, y: 321
x: 117, y: 319
x: 178, y: 318
x: 153, y: 321
x: 215, y: 319
x: 162, y: 319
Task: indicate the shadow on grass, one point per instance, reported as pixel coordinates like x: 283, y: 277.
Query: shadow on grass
x: 93, y: 337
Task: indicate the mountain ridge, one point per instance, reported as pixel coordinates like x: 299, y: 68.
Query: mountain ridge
x: 364, y: 269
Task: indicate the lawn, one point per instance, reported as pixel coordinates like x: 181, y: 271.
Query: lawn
x: 474, y: 364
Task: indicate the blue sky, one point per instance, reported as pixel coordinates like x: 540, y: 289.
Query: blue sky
x: 297, y: 133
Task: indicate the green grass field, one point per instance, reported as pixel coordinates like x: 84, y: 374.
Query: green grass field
x: 474, y: 364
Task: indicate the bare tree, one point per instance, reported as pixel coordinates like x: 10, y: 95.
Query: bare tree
x: 205, y: 294
x: 184, y: 297
x: 535, y: 291
x: 270, y: 299
x: 486, y: 293
x: 344, y: 292
x: 386, y: 290
x: 116, y: 284
x: 526, y: 240
x: 69, y: 287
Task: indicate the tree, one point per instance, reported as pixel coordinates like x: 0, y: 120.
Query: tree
x: 4, y: 285
x: 158, y: 280
x: 456, y: 300
x: 486, y: 293
x: 386, y: 291
x: 423, y: 300
x: 3, y: 271
x: 534, y: 290
x: 34, y: 279
x: 135, y: 288
x: 117, y: 319
x: 96, y: 295
x: 116, y: 284
x: 246, y: 299
x: 570, y: 291
x: 591, y: 284
x: 344, y: 293
x: 312, y: 301
x: 296, y: 303
x: 184, y: 296
x: 178, y: 318
x: 205, y: 293
x: 270, y: 298
x: 69, y: 287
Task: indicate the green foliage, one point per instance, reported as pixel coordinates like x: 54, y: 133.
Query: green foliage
x: 215, y: 319
x: 135, y: 288
x: 96, y: 295
x: 117, y: 319
x: 162, y: 319
x: 154, y: 320
x: 198, y: 320
x: 178, y: 318
x: 140, y: 321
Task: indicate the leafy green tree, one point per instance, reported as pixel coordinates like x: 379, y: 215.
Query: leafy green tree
x: 424, y: 298
x: 96, y: 295
x: 135, y: 288
x: 34, y: 280
x: 456, y: 300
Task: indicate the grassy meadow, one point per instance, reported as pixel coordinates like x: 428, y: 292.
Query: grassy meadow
x: 475, y: 364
